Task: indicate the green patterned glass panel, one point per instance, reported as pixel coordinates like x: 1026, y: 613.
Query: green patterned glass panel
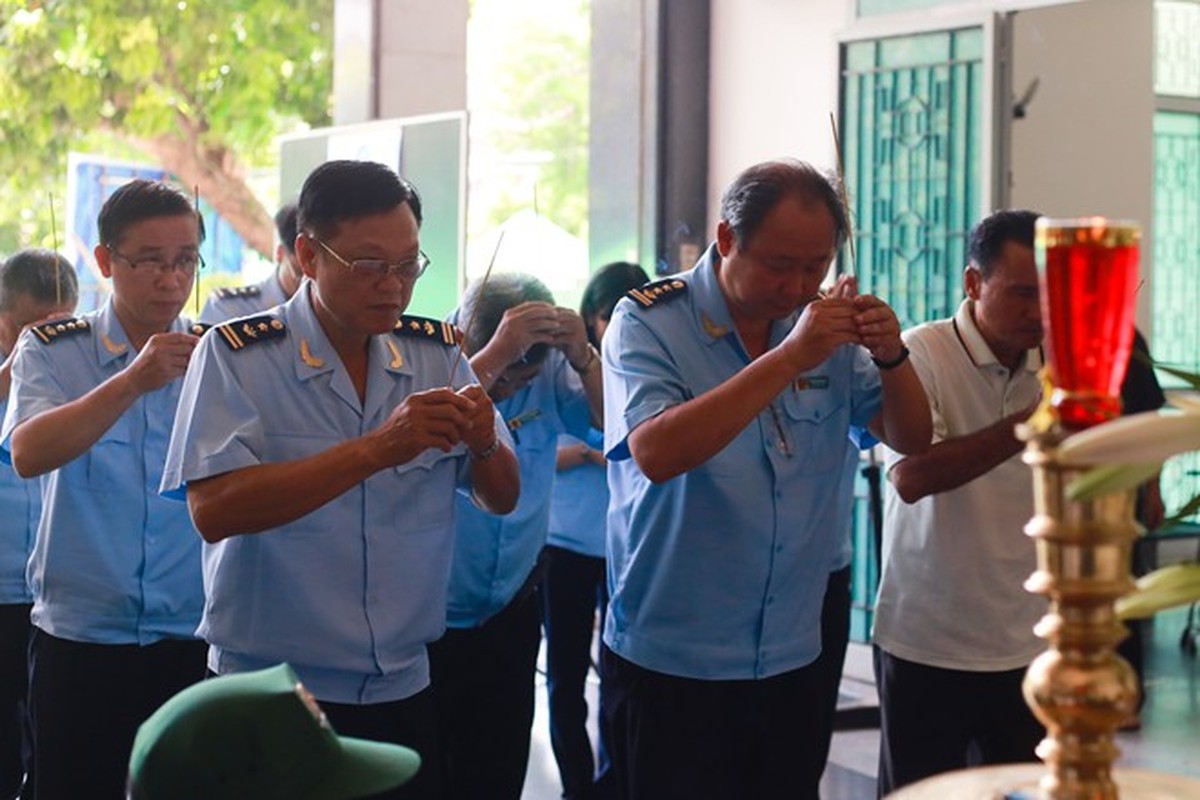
x: 867, y: 8
x: 1177, y: 48
x: 911, y: 134
x: 1176, y: 269
x: 911, y: 137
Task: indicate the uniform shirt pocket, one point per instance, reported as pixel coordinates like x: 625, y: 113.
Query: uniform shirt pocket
x: 817, y: 422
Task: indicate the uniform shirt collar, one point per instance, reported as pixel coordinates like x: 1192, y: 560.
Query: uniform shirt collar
x: 110, y: 339
x: 708, y: 301
x: 977, y: 347
x: 310, y: 345
x: 712, y: 309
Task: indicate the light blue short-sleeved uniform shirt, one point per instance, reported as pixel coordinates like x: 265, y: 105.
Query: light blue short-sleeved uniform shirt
x: 113, y: 563
x: 20, y: 508
x: 720, y: 573
x: 242, y: 301
x: 579, y: 502
x: 494, y: 555
x: 350, y: 593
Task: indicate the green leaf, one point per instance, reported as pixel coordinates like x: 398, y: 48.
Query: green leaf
x: 1110, y: 478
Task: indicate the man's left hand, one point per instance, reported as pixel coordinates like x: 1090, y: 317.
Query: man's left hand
x: 480, y: 433
x: 878, y: 328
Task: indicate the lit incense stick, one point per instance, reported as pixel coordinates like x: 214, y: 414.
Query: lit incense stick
x: 54, y: 241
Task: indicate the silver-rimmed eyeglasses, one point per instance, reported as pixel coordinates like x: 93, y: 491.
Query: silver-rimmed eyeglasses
x: 409, y: 269
x: 187, y: 263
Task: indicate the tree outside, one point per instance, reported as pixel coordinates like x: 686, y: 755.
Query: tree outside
x: 527, y: 79
x: 199, y: 88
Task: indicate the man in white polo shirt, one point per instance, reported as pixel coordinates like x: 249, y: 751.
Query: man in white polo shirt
x: 953, y: 625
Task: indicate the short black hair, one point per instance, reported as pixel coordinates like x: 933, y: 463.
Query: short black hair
x: 605, y: 288
x: 756, y: 191
x: 989, y: 236
x: 44, y: 275
x: 285, y: 226
x: 502, y: 292
x: 138, y: 200
x: 341, y: 190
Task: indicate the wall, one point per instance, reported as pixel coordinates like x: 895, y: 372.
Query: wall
x: 774, y: 83
x: 1086, y: 144
x: 398, y: 58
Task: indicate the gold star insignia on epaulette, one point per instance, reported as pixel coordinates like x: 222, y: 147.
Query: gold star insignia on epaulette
x: 198, y: 328
x: 658, y: 292
x: 230, y: 292
x: 50, y: 331
x: 239, y: 333
x: 426, y: 329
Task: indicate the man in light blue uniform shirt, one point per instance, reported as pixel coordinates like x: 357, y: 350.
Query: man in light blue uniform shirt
x: 35, y: 286
x: 535, y: 361
x: 242, y: 301
x: 115, y: 571
x: 320, y: 446
x: 730, y: 391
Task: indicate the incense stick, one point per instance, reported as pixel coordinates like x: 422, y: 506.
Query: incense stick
x: 54, y: 241
x: 458, y: 348
x: 842, y: 190
x: 200, y: 226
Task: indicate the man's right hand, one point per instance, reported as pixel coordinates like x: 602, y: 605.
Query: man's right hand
x: 437, y: 418
x: 825, y: 325
x: 164, y: 358
x: 525, y: 325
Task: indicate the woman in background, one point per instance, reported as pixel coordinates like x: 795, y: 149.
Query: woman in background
x: 575, y: 584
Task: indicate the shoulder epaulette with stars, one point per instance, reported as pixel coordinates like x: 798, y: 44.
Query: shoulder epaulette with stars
x: 658, y: 292
x: 426, y: 329
x: 198, y: 328
x: 50, y: 332
x: 232, y: 292
x: 239, y: 333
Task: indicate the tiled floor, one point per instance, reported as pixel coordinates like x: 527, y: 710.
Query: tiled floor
x: 1169, y: 740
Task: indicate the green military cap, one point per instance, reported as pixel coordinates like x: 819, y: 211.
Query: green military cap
x: 256, y: 735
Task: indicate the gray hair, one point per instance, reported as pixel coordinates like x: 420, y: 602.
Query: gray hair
x: 35, y: 272
x: 502, y: 292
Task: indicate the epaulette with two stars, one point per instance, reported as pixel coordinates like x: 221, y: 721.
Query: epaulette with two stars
x: 233, y: 292
x: 49, y: 332
x: 658, y: 292
x: 426, y: 329
x: 240, y: 333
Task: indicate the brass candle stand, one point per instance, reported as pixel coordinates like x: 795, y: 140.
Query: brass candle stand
x: 1080, y: 689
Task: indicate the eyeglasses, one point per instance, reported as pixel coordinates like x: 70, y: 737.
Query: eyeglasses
x: 410, y: 269
x: 187, y: 263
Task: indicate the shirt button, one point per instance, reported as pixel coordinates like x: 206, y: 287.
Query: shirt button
x: 771, y: 600
x: 778, y: 548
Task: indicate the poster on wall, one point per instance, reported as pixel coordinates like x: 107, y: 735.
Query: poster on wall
x: 91, y: 180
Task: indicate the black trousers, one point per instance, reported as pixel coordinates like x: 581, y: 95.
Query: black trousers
x: 574, y: 588
x: 86, y: 703
x: 810, y: 694
x: 15, y: 751
x: 411, y: 722
x: 934, y: 720
x: 835, y: 638
x: 483, y: 685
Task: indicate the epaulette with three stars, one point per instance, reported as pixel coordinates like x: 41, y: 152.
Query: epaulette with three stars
x: 49, y: 332
x: 426, y: 329
x: 240, y: 333
x: 658, y: 292
x: 232, y: 292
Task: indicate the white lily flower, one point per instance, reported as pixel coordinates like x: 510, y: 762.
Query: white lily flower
x: 1140, y: 438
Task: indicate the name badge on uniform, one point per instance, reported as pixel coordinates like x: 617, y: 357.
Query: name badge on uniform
x: 812, y: 382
